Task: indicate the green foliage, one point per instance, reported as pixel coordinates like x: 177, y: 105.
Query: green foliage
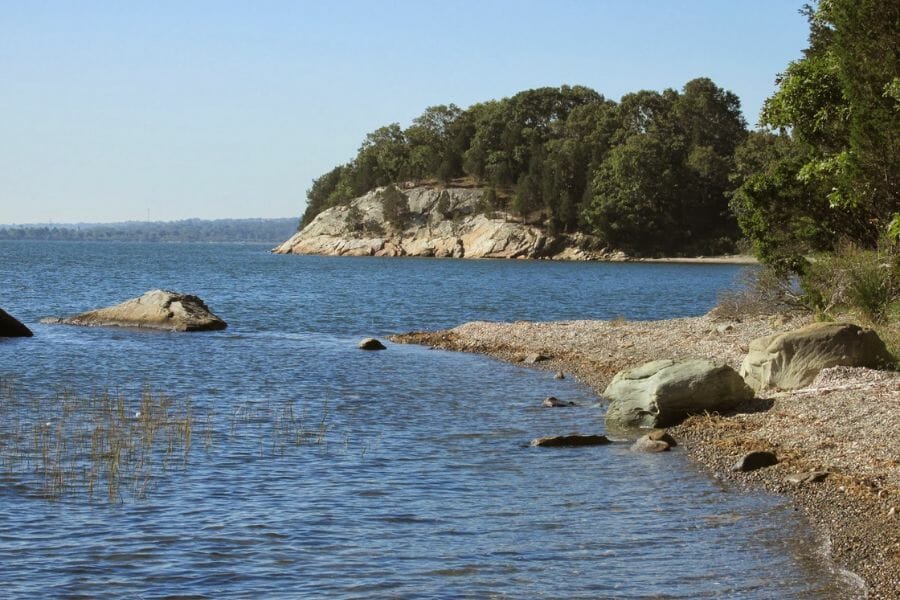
x: 662, y: 188
x: 860, y: 281
x: 395, y: 205
x: 569, y: 160
x: 833, y: 175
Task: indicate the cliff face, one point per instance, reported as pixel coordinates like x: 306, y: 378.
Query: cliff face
x: 441, y: 222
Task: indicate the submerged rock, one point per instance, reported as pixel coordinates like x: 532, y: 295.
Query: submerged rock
x: 573, y: 439
x: 12, y: 327
x: 371, y: 344
x: 664, y: 392
x: 792, y: 360
x: 554, y: 402
x: 156, y: 309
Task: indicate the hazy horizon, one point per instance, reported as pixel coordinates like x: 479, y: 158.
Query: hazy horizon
x: 168, y: 111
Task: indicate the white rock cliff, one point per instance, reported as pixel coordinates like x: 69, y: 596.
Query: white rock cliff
x: 442, y: 222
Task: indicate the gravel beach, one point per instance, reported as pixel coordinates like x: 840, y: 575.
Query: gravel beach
x: 846, y: 423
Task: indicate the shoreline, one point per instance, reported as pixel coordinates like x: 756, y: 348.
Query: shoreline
x: 846, y: 422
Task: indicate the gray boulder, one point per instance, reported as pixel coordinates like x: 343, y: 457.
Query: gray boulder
x: 156, y: 309
x: 792, y: 360
x: 12, y: 327
x: 663, y: 392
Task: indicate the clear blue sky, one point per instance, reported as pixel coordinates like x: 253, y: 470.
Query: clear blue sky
x: 113, y: 111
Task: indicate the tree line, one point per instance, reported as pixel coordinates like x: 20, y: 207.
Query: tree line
x: 270, y: 231
x: 677, y: 171
x: 647, y: 174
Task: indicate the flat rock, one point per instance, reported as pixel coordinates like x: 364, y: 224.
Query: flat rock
x: 792, y: 360
x: 156, y: 309
x: 664, y: 392
x: 571, y: 440
x: 535, y: 358
x: 12, y: 327
x: 803, y: 478
x: 755, y: 460
x: 645, y: 444
x: 370, y: 344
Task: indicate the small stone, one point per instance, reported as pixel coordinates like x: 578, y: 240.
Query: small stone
x: 371, y: 344
x: 559, y: 375
x: 554, y: 402
x: 755, y: 460
x: 535, y: 358
x: 645, y: 444
x: 891, y: 512
x: 809, y: 477
x: 571, y: 440
x: 661, y: 435
x: 725, y: 328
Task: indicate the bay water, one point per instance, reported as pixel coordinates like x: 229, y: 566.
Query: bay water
x: 317, y: 470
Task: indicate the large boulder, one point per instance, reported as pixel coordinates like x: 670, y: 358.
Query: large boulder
x: 792, y: 360
x: 663, y: 392
x: 156, y: 309
x: 12, y: 327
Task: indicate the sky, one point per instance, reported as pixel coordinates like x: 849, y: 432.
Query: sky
x: 167, y: 110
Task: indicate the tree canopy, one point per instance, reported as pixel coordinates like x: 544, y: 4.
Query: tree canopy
x: 826, y: 169
x: 648, y: 174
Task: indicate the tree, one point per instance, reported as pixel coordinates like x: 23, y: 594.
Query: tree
x: 395, y: 206
x: 838, y: 103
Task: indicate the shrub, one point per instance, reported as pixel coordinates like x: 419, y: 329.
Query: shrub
x: 864, y: 282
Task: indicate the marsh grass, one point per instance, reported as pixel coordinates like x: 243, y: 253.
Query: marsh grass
x: 101, y: 444
x: 107, y: 446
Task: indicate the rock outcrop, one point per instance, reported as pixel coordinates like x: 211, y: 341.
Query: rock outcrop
x: 12, y: 327
x: 663, y: 392
x: 156, y: 309
x: 441, y: 222
x: 792, y: 360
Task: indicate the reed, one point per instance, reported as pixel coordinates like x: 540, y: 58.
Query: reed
x: 107, y: 446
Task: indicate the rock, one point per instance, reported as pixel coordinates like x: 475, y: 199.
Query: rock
x: 573, y: 439
x: 535, y: 358
x: 663, y: 392
x: 810, y: 477
x: 12, y: 327
x: 559, y: 375
x: 553, y: 402
x: 645, y: 444
x: 371, y: 344
x: 156, y: 309
x: 755, y: 460
x: 792, y: 360
x: 661, y: 435
x: 442, y: 222
x: 725, y: 328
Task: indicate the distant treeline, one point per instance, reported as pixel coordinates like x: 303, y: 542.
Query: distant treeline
x: 648, y: 174
x: 269, y: 231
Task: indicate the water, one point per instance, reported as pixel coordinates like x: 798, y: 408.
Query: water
x: 420, y: 485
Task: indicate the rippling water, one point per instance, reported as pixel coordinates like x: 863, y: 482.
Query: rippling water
x: 415, y: 482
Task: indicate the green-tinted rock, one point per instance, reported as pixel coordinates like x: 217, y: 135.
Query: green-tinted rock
x: 663, y: 392
x: 792, y: 360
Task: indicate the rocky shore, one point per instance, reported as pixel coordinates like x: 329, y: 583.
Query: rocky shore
x: 845, y: 423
